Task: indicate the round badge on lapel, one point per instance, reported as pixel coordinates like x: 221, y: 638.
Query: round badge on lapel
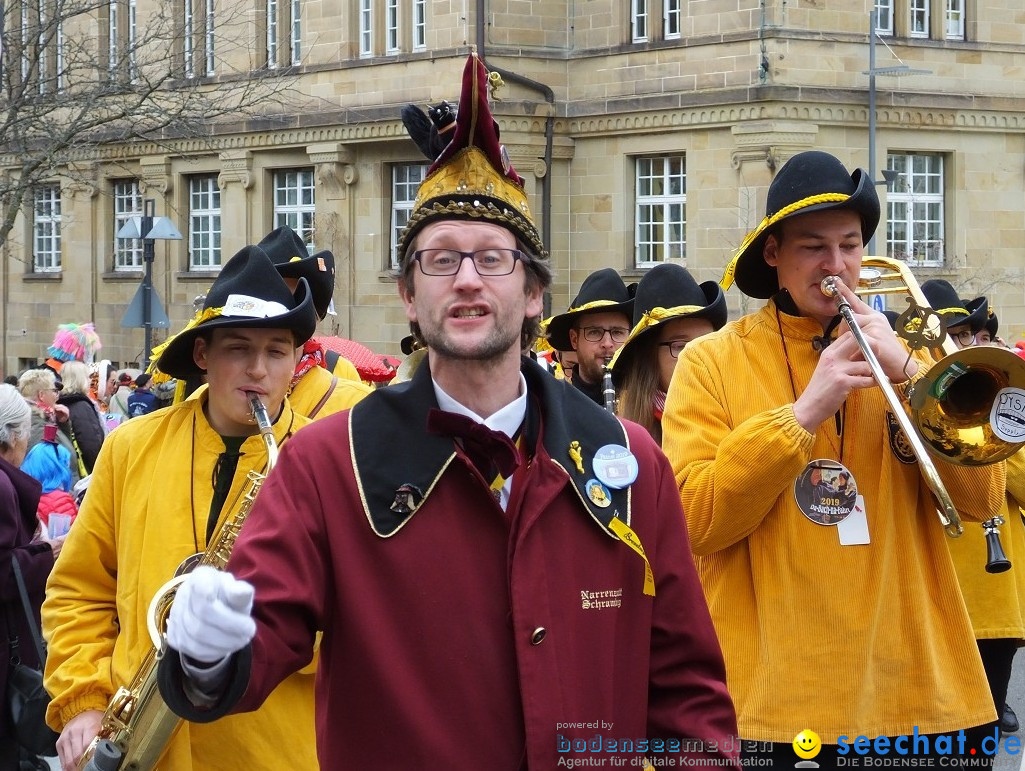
x: 598, y: 493
x: 615, y: 466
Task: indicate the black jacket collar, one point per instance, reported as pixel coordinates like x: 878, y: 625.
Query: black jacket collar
x: 398, y: 464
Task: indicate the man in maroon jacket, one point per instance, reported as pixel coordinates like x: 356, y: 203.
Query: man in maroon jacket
x: 500, y: 568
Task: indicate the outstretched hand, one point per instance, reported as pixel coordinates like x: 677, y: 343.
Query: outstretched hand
x: 210, y: 617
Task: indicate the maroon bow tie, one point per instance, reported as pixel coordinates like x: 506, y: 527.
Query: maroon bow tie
x: 492, y: 452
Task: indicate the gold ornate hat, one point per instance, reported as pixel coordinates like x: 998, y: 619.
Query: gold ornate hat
x: 472, y: 178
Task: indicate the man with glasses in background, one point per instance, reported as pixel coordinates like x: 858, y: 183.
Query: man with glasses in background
x: 595, y: 326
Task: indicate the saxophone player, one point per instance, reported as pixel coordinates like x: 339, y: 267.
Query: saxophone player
x: 161, y: 487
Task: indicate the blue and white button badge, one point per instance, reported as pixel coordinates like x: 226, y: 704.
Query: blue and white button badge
x: 615, y: 466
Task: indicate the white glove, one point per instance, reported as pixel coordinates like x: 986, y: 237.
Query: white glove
x: 210, y: 616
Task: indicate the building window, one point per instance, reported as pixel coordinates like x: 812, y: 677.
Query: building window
x: 296, y: 39
x: 46, y: 227
x: 112, y: 32
x: 639, y: 21
x: 208, y: 37
x: 127, y: 204
x: 405, y: 180
x: 914, y: 227
x: 366, y: 28
x: 188, y: 39
x: 420, y: 24
x: 272, y: 33
x: 204, y: 222
x: 671, y: 13
x: 391, y: 26
x: 294, y: 202
x: 133, y: 30
x: 919, y: 26
x: 955, y: 20
x: 661, y: 224
x: 884, y: 17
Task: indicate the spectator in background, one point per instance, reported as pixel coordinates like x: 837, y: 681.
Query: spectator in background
x: 118, y: 404
x: 50, y: 464
x: 84, y: 426
x: 40, y: 387
x: 142, y: 401
x: 21, y: 538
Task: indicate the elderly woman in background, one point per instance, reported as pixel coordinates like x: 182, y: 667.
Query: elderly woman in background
x: 41, y: 388
x: 21, y: 538
x: 84, y: 426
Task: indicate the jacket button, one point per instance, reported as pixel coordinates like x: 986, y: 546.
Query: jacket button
x: 538, y: 635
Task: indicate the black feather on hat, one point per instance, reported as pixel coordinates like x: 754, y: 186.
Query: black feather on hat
x: 290, y: 256
x: 668, y: 292
x: 810, y: 181
x: 601, y: 292
x: 248, y: 293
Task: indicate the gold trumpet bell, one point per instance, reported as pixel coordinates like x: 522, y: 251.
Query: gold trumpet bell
x: 970, y: 406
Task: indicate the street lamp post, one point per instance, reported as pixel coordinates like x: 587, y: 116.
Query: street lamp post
x: 145, y: 309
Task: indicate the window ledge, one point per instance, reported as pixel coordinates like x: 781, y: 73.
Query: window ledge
x: 197, y: 275
x: 122, y: 275
x: 54, y: 276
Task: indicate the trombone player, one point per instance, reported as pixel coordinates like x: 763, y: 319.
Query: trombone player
x: 845, y: 619
x: 161, y: 486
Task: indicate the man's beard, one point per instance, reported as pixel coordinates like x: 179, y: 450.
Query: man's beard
x: 493, y: 348
x: 591, y: 370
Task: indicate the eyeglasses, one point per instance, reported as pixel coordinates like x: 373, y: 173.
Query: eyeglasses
x: 675, y: 347
x: 965, y: 337
x: 487, y: 262
x: 57, y: 388
x: 597, y: 334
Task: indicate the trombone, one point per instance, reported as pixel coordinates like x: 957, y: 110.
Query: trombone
x: 956, y: 408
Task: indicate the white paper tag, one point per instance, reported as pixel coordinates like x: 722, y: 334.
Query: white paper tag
x: 252, y: 307
x: 1007, y: 418
x: 854, y: 529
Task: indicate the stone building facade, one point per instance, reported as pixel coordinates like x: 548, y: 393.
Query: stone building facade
x: 645, y: 129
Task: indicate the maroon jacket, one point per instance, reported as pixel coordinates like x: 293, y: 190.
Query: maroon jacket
x: 19, y: 495
x: 459, y: 636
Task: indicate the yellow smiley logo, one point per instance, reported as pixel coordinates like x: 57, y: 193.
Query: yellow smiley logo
x: 807, y: 744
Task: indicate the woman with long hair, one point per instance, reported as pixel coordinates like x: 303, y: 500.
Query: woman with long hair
x: 84, y: 427
x: 670, y: 310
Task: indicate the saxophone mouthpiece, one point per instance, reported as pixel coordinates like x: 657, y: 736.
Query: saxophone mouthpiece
x: 828, y: 286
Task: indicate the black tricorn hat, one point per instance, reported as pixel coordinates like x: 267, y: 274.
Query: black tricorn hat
x: 668, y: 292
x: 980, y: 316
x: 290, y: 256
x: 601, y: 292
x: 810, y: 181
x: 248, y: 293
x: 952, y: 309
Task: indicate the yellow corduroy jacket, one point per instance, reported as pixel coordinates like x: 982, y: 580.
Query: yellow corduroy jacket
x: 315, y: 384
x: 145, y: 512
x: 845, y: 640
x: 996, y: 602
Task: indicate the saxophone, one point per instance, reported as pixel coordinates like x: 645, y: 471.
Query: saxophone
x: 137, y: 722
